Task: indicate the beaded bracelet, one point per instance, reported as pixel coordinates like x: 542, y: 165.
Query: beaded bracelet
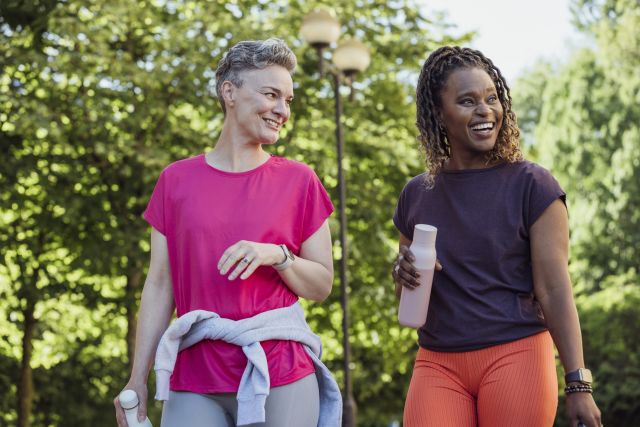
x: 582, y: 388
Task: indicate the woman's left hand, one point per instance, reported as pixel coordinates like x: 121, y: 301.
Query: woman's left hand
x: 246, y: 257
x: 582, y: 407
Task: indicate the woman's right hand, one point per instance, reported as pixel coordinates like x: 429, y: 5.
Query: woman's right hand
x: 141, y: 391
x: 404, y: 273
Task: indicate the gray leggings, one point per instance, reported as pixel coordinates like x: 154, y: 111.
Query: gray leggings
x: 291, y: 405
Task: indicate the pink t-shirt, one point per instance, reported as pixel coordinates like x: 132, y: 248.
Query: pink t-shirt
x: 202, y: 211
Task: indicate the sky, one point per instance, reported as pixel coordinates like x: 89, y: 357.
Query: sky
x: 512, y: 33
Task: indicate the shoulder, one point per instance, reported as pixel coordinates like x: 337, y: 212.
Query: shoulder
x: 417, y: 183
x: 183, y: 165
x: 537, y: 179
x: 529, y: 169
x: 293, y: 168
x: 414, y: 190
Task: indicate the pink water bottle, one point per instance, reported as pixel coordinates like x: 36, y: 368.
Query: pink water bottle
x: 414, y: 303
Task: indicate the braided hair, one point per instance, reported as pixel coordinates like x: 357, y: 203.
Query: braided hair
x: 433, y: 77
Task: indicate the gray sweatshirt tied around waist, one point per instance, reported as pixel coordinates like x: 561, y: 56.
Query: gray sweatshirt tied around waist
x: 280, y: 324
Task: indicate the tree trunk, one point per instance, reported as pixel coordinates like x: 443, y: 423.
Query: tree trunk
x: 25, y: 383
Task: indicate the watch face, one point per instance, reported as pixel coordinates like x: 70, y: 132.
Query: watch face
x: 585, y: 375
x: 581, y: 375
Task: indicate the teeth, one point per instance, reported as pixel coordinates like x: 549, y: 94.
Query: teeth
x: 482, y: 126
x: 272, y: 122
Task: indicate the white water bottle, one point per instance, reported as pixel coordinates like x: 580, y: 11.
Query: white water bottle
x: 414, y: 303
x: 129, y: 402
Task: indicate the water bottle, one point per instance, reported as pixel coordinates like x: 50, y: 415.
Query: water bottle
x: 129, y: 402
x: 414, y: 303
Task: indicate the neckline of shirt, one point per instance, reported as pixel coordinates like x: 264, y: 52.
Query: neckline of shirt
x: 474, y: 171
x: 257, y: 169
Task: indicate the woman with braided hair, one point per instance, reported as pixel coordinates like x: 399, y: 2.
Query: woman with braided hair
x: 501, y: 295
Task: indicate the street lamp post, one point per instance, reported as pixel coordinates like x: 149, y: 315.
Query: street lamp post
x: 320, y: 29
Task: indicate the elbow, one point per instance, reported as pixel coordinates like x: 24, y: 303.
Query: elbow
x: 321, y: 293
x: 325, y: 294
x: 318, y: 288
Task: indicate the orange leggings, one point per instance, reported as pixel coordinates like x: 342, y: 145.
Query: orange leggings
x: 507, y: 385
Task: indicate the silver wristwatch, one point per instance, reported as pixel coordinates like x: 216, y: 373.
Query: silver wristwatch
x: 580, y: 375
x: 288, y: 259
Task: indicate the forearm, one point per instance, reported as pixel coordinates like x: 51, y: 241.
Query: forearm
x: 309, y: 276
x: 552, y: 284
x: 308, y: 279
x: 562, y: 320
x: 156, y: 309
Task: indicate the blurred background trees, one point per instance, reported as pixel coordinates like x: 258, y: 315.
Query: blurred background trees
x: 97, y: 96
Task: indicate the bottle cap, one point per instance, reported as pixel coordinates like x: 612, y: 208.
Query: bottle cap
x: 424, y: 235
x: 128, y: 399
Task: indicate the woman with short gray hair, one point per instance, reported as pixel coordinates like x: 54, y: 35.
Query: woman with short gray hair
x: 252, y: 55
x: 238, y: 236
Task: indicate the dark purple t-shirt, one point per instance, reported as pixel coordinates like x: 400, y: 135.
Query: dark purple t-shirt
x: 484, y: 294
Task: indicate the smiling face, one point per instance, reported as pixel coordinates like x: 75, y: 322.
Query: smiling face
x: 471, y: 114
x: 261, y: 105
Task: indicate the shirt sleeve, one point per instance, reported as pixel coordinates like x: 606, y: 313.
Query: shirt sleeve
x: 400, y: 215
x: 544, y: 190
x: 154, y: 214
x: 317, y: 207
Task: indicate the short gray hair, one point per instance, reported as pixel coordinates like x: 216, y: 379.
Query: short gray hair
x: 252, y: 55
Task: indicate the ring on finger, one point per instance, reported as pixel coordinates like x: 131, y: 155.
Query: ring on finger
x: 245, y: 260
x: 396, y: 269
